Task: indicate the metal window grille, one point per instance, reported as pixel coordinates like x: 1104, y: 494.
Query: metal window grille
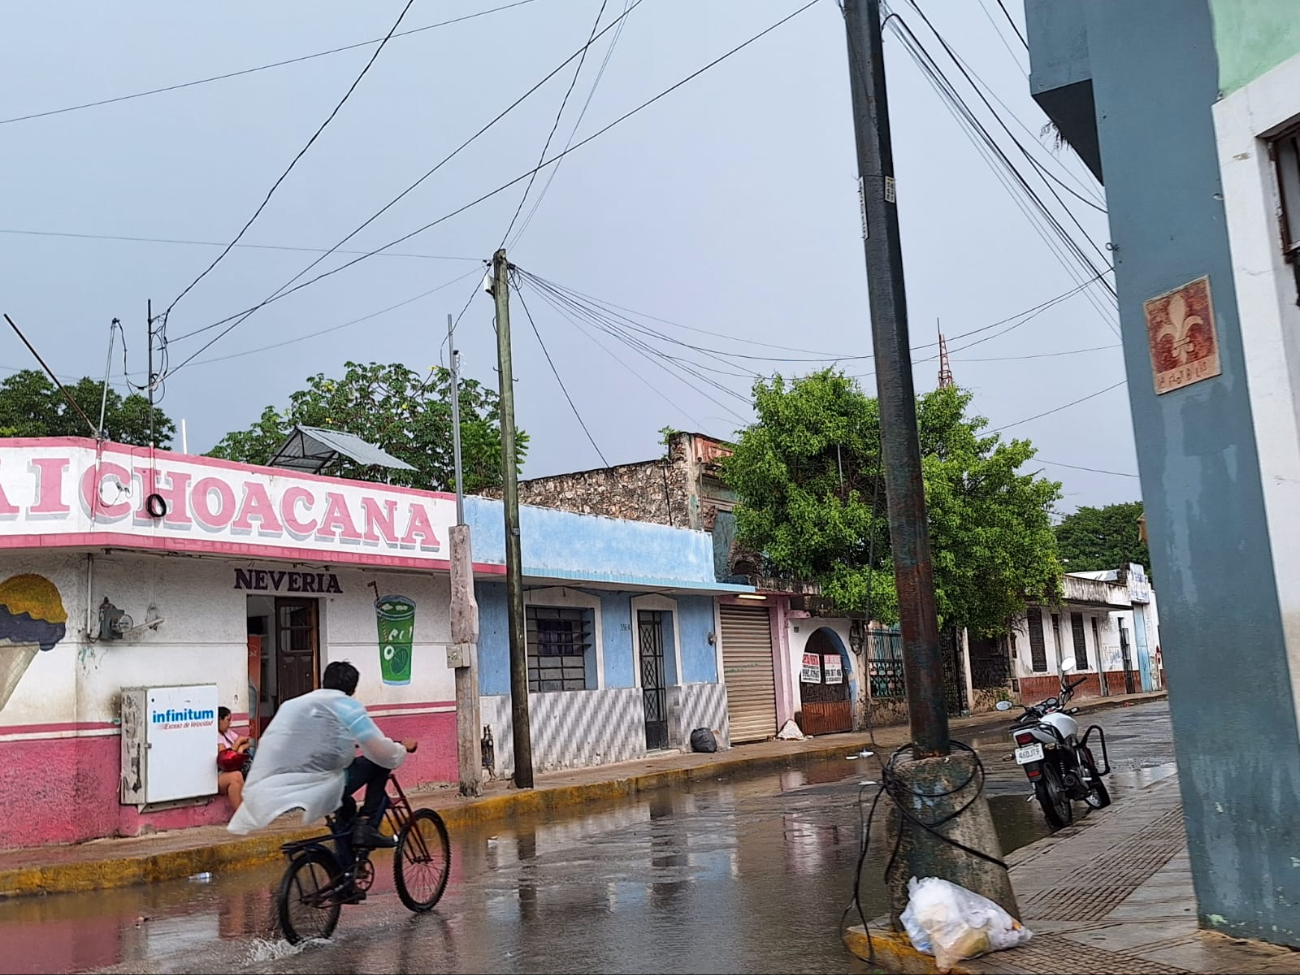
x: 1037, y: 647
x: 558, y: 640
x: 1080, y: 641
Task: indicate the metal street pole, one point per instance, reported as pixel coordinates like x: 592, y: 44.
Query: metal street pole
x: 900, y: 445
x: 523, y: 739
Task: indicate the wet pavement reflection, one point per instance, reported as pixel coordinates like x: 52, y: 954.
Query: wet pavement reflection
x: 748, y: 875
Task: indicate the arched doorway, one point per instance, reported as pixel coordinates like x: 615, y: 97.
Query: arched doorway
x: 825, y: 694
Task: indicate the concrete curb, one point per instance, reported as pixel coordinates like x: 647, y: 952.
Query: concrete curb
x: 893, y: 952
x: 125, y: 871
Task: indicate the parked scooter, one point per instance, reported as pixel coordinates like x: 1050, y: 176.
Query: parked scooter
x: 1056, y: 760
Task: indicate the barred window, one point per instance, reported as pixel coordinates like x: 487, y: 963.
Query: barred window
x: 558, y: 641
x: 1037, y: 646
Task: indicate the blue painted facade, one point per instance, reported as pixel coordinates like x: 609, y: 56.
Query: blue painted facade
x: 564, y: 546
x: 1139, y: 80
x: 609, y: 570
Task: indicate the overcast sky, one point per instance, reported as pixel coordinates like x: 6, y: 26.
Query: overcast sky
x: 730, y: 205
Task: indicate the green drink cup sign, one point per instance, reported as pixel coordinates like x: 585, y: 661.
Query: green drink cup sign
x: 396, y: 618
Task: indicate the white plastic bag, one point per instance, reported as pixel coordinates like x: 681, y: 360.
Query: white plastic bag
x: 952, y: 923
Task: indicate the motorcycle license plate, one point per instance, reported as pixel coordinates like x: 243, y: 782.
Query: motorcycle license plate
x: 1029, y: 753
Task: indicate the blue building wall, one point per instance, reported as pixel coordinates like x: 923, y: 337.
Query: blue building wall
x: 493, y: 638
x: 1154, y: 78
x: 692, y: 623
x: 695, y: 623
x: 562, y: 545
x: 616, y: 626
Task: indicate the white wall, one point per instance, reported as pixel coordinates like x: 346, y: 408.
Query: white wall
x: 1269, y: 319
x: 203, y: 638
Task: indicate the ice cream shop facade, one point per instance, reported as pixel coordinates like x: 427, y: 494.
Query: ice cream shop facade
x: 140, y: 592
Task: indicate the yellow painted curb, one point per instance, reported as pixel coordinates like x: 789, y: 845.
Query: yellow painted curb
x: 893, y: 952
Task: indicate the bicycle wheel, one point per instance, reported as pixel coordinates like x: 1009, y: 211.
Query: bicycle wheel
x: 422, y: 861
x: 308, y: 903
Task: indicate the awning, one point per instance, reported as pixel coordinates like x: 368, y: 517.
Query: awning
x: 312, y: 449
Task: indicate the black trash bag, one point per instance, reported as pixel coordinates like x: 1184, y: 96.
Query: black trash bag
x: 702, y: 740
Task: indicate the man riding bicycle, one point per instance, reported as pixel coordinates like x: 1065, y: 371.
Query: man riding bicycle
x: 307, y: 760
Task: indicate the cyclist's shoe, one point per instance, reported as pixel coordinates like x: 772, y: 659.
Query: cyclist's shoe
x: 354, y: 895
x: 366, y: 836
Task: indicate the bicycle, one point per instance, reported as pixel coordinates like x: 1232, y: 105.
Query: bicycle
x: 316, y: 885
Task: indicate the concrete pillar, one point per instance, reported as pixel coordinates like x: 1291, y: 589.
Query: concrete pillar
x: 1220, y: 458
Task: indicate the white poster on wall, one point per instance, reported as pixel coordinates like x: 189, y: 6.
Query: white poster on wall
x: 181, y: 742
x: 834, y: 668
x: 811, y: 672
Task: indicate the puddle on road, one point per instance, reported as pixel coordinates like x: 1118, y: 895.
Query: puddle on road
x: 705, y: 876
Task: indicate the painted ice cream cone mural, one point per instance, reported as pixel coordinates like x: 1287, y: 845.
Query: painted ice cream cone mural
x: 32, y: 619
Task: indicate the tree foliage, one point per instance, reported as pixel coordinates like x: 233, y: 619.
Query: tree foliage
x: 1102, y: 538
x: 32, y: 406
x: 813, y: 501
x: 397, y: 409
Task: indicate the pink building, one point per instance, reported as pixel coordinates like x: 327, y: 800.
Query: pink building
x: 121, y: 567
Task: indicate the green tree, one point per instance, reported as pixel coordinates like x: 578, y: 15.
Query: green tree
x: 397, y: 409
x: 808, y: 477
x: 32, y: 406
x: 1102, y: 538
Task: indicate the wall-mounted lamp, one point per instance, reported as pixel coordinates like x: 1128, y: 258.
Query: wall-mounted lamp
x: 759, y: 597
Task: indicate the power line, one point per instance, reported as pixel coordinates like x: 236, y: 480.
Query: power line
x: 1077, y: 467
x: 1037, y: 355
x: 94, y: 430
x: 564, y: 103
x: 219, y: 243
x: 294, y: 162
x: 1032, y: 205
x: 1058, y: 409
x: 334, y: 328
x: 573, y: 133
x: 985, y: 10
x: 1007, y: 13
x: 556, y: 373
x: 238, y: 317
x: 253, y: 70
x: 287, y: 288
x: 653, y: 356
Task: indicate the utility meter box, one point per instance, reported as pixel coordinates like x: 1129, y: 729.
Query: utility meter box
x: 169, y: 743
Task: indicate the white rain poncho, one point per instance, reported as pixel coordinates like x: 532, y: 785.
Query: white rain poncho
x: 303, y: 758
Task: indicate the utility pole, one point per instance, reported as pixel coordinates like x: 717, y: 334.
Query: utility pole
x: 946, y: 781
x: 523, y: 739
x: 900, y: 445
x: 149, y: 379
x: 462, y: 655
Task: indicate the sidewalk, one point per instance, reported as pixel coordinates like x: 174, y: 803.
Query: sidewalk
x: 173, y: 855
x: 1129, y: 909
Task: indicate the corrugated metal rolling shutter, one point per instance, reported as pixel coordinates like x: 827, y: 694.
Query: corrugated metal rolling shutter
x: 747, y: 672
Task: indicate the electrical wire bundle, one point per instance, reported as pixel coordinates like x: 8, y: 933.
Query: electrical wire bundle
x: 904, y: 798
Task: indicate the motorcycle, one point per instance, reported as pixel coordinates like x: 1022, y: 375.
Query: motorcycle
x: 1056, y: 760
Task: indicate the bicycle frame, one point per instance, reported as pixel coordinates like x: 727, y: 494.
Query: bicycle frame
x: 397, y: 813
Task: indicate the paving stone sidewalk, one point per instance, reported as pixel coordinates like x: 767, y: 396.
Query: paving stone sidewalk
x: 1111, y: 894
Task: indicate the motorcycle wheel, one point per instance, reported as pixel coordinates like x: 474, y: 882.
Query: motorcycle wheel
x: 1098, y: 796
x: 1053, y: 798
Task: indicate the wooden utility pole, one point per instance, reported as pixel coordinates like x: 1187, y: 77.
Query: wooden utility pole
x: 463, y: 654
x: 523, y: 739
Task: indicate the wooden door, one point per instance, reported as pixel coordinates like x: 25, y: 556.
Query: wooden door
x: 297, y: 647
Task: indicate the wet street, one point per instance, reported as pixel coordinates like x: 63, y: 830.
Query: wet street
x: 736, y: 875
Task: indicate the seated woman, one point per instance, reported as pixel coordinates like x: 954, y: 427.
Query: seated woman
x: 232, y: 756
